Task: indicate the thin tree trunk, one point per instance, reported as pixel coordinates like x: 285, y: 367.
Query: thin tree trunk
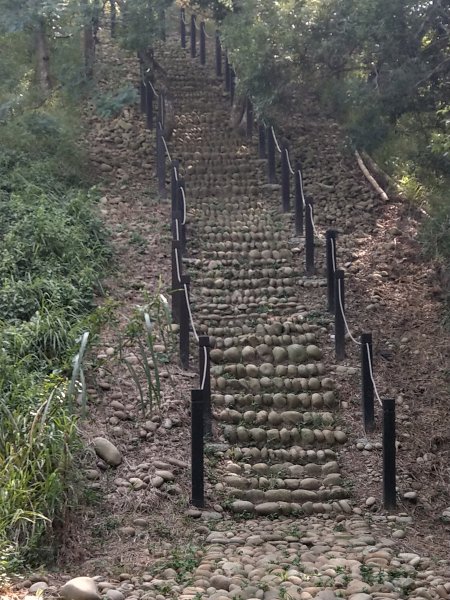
x: 113, y: 17
x: 88, y: 39
x: 42, y: 58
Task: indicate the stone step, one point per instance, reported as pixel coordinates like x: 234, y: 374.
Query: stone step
x: 265, y: 256
x: 255, y: 340
x: 302, y: 493
x: 276, y: 419
x: 263, y: 247
x: 293, y: 454
x: 279, y: 438
x: 275, y: 385
x: 247, y: 287
x: 266, y: 361
x: 229, y: 278
x: 241, y: 313
x: 284, y: 470
x: 291, y: 508
x: 247, y: 303
x: 278, y: 402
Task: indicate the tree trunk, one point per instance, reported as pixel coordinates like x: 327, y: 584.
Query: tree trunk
x: 88, y: 39
x: 42, y: 51
x: 238, y: 116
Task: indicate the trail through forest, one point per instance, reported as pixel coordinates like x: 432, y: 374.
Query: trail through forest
x: 293, y: 482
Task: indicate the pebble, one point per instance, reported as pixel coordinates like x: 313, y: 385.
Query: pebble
x: 39, y: 586
x: 411, y: 496
x: 80, y: 588
x: 107, y: 451
x: 115, y: 595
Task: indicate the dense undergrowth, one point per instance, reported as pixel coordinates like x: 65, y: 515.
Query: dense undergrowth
x: 52, y: 249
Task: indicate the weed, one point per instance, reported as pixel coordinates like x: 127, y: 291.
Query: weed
x: 283, y: 594
x: 297, y: 563
x: 370, y: 576
x: 184, y: 561
x: 91, y: 496
x: 294, y: 531
x: 136, y: 239
x: 164, y: 588
x: 244, y: 516
x: 140, y: 335
x: 163, y: 531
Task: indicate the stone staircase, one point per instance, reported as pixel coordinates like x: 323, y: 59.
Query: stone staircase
x: 274, y: 405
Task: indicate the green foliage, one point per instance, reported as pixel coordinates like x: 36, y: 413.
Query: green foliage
x: 36, y: 452
x: 256, y: 36
x: 112, y: 104
x: 380, y: 66
x: 142, y: 23
x: 183, y: 560
x: 52, y: 248
x: 219, y: 8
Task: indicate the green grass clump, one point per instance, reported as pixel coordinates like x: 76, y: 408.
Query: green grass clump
x: 52, y: 250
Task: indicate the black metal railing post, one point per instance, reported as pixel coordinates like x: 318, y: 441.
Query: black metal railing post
x: 271, y: 155
x: 176, y: 228
x: 339, y: 322
x: 184, y: 321
x: 204, y: 346
x: 160, y: 161
x: 299, y: 208
x: 232, y: 85
x: 285, y: 178
x: 202, y: 43
x: 177, y: 270
x: 197, y: 449
x: 309, y: 236
x: 149, y: 96
x: 183, y: 27
x: 142, y: 90
x: 367, y: 392
x: 330, y: 237
x: 262, y: 141
x: 389, y: 455
x: 193, y: 37
x: 218, y: 55
x: 161, y: 109
x: 183, y: 209
x: 174, y: 184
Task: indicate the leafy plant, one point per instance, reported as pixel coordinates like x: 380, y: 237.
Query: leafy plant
x: 111, y: 104
x: 183, y: 560
x: 77, y: 381
x: 140, y: 336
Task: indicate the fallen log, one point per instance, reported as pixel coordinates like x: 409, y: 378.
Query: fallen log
x: 370, y: 178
